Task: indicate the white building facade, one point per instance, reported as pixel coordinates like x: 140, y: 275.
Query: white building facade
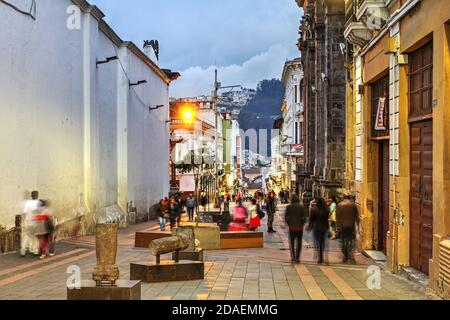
x: 293, y: 121
x: 198, y: 137
x: 72, y: 124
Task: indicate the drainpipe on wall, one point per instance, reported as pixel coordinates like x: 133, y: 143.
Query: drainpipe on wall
x: 394, y: 251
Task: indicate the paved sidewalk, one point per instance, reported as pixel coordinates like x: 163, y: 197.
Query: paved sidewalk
x: 251, y: 274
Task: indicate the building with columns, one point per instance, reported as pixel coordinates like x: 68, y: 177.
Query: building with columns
x: 321, y: 44
x: 291, y: 133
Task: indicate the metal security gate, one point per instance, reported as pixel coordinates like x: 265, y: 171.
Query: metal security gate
x: 421, y: 123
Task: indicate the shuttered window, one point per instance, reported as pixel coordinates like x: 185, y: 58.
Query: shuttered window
x: 421, y: 83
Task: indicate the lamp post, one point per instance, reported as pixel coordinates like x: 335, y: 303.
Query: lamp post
x: 215, y: 99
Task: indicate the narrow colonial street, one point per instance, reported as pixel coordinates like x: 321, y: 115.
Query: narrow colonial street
x: 249, y: 274
x: 179, y: 150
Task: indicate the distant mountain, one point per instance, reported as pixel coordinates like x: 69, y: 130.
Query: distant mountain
x: 262, y: 110
x: 255, y: 109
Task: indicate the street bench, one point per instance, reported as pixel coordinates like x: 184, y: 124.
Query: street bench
x: 241, y: 240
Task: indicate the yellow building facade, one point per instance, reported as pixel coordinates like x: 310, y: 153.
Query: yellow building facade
x: 398, y: 130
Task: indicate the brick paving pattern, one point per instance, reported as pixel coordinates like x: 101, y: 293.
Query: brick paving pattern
x: 252, y: 274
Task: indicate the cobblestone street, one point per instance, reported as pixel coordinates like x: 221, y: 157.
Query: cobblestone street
x: 254, y: 274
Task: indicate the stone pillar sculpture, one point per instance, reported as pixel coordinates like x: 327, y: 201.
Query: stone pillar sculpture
x: 106, y: 273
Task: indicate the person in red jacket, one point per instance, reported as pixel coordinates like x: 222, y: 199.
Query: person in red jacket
x: 240, y: 215
x: 44, y: 229
x: 255, y: 221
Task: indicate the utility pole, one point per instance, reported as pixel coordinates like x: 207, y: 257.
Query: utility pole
x: 215, y: 100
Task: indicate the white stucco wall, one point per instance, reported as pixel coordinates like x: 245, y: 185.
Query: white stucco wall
x: 148, y: 138
x: 71, y: 130
x: 105, y: 136
x: 41, y: 110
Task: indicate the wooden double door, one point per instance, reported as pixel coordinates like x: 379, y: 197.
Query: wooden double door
x: 383, y: 192
x: 421, y: 196
x: 421, y: 135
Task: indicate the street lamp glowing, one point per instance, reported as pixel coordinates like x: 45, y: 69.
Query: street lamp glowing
x: 187, y: 115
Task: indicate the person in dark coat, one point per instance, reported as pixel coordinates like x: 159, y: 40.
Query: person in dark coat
x: 191, y: 202
x: 180, y: 207
x: 162, y: 212
x: 319, y: 225
x: 271, y: 209
x: 203, y: 201
x: 287, y: 194
x: 295, y: 218
x: 349, y: 223
x: 281, y: 196
x: 173, y: 213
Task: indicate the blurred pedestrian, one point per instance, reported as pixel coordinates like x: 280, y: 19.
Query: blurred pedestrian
x: 190, y: 206
x: 319, y: 225
x: 348, y: 221
x: 226, y: 202
x: 332, y: 204
x: 203, y: 201
x: 173, y: 213
x: 180, y: 211
x: 255, y: 221
x: 295, y: 218
x: 239, y: 218
x: 286, y: 195
x: 271, y: 209
x: 29, y: 241
x: 44, y: 227
x: 281, y: 196
x: 162, y: 213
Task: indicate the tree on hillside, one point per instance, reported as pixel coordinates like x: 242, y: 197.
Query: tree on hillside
x: 262, y: 110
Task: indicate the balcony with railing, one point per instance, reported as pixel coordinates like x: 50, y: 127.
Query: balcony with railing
x: 373, y: 13
x: 364, y: 18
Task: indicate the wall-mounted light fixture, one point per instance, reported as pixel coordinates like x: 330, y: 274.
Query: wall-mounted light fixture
x: 150, y: 109
x: 109, y: 59
x: 138, y: 83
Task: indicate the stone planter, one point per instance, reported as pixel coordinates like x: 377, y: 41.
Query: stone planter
x: 106, y: 272
x: 207, y: 235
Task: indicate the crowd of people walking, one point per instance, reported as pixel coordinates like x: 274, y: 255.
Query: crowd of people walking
x: 324, y: 219
x: 37, y: 228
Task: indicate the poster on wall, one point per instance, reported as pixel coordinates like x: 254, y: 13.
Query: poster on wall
x: 380, y: 121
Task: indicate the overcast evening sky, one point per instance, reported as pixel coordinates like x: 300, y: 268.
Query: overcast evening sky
x: 248, y: 40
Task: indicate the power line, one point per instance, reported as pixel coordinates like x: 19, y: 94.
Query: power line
x: 31, y: 13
